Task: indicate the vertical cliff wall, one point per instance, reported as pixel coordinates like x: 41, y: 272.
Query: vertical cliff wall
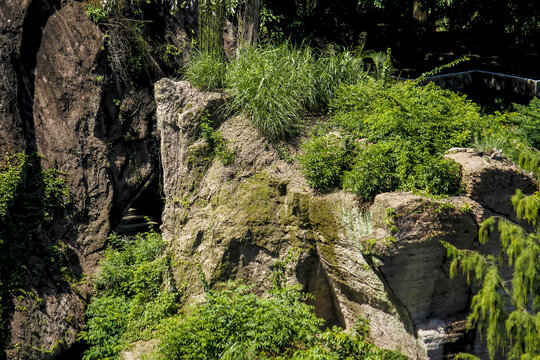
x: 57, y: 98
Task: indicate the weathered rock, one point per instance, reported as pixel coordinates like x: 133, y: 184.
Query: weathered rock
x: 59, y: 103
x: 12, y: 127
x: 492, y: 181
x: 236, y: 221
x: 387, y: 265
x: 414, y: 263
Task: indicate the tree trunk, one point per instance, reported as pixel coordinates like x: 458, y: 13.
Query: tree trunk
x: 248, y: 22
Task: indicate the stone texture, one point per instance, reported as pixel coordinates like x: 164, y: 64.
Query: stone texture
x: 238, y: 220
x: 56, y: 99
x: 492, y: 181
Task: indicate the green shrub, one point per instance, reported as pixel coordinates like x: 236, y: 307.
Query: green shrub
x: 323, y: 159
x: 434, y: 119
x: 373, y: 172
x: 438, y: 176
x: 236, y: 324
x: 134, y: 292
x: 405, y: 129
x: 206, y: 71
x: 528, y: 122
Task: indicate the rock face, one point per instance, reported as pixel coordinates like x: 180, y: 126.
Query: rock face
x: 386, y: 264
x: 56, y: 99
x: 238, y: 220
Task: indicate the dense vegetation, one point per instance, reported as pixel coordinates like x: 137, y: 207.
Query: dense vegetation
x: 236, y: 324
x: 384, y: 136
x: 29, y: 199
x: 134, y: 292
x: 136, y: 299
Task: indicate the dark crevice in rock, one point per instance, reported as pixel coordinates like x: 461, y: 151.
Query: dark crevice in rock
x: 326, y: 303
x: 144, y: 210
x: 38, y: 13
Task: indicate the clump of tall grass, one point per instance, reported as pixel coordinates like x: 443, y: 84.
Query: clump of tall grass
x: 272, y: 85
x: 206, y: 71
x: 336, y: 66
x: 276, y: 84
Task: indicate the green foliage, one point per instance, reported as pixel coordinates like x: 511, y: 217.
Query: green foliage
x: 436, y: 119
x: 438, y: 176
x: 96, y: 13
x: 373, y: 171
x: 507, y: 310
x: 235, y: 324
x: 10, y: 178
x: 134, y: 292
x: 272, y: 86
x: 527, y: 120
x: 206, y: 71
x: 323, y: 160
x: 276, y: 85
x: 218, y: 145
x: 29, y: 198
x: 400, y: 131
x: 234, y: 318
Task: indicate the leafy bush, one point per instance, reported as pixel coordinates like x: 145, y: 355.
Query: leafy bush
x: 433, y: 118
x: 134, y: 292
x: 206, y: 71
x: 236, y: 324
x: 404, y: 129
x: 528, y: 122
x: 437, y: 176
x: 374, y: 171
x: 323, y: 160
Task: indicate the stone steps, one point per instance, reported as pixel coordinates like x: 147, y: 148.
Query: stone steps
x: 135, y: 221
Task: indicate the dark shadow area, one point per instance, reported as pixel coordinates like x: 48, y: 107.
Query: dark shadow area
x: 75, y: 352
x: 32, y: 264
x: 37, y: 15
x: 144, y: 211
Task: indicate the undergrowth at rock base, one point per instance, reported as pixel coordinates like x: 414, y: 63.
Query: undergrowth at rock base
x: 134, y: 292
x: 236, y: 324
x: 136, y: 299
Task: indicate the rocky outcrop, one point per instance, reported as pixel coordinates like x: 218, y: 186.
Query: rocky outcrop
x: 386, y: 264
x: 56, y: 98
x: 408, y: 230
x: 238, y: 220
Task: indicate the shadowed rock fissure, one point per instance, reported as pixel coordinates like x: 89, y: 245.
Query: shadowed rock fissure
x: 144, y: 211
x: 39, y: 12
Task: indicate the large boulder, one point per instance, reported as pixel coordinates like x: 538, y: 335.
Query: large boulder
x: 238, y: 220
